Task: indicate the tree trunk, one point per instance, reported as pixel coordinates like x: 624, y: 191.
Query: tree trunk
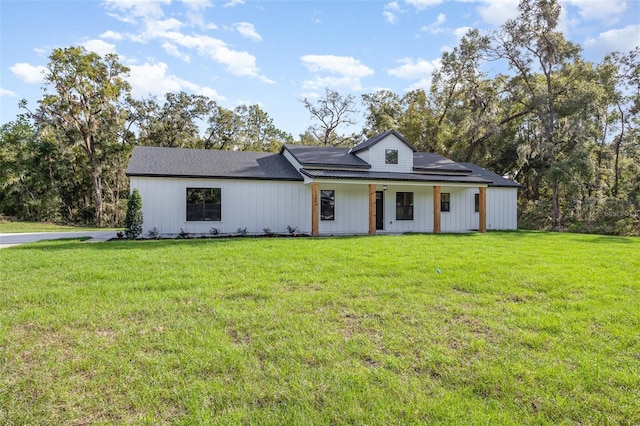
x: 617, y: 154
x: 556, y: 207
x: 96, y: 172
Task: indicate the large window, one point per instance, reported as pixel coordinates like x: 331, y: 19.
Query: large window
x: 204, y: 204
x: 391, y: 156
x: 404, y: 205
x: 445, y: 202
x: 327, y: 204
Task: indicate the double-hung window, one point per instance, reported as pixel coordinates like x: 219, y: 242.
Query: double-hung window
x: 327, y: 204
x: 204, y: 204
x: 445, y: 202
x: 404, y: 205
x: 391, y: 156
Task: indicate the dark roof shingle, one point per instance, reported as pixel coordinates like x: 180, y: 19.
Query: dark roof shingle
x: 206, y: 163
x: 496, y: 179
x: 323, y: 156
x: 426, y: 161
x: 374, y: 140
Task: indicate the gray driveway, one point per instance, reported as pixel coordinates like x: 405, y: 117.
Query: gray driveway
x: 8, y: 240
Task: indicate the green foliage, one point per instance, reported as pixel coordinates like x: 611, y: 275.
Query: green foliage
x: 518, y: 328
x: 134, y: 219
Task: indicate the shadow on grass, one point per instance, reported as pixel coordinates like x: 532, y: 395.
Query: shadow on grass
x: 119, y: 245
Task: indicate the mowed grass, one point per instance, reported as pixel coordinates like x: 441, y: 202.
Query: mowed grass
x: 8, y: 227
x: 516, y: 328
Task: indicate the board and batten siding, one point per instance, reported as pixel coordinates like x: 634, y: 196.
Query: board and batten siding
x: 502, y: 208
x: 254, y: 204
x: 351, y: 209
x: 422, y: 209
x: 375, y: 155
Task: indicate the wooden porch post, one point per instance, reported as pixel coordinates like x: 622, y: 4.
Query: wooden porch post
x: 315, y: 208
x: 482, y: 226
x: 436, y: 209
x: 372, y: 209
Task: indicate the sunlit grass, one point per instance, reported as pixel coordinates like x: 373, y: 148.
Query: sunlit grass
x: 516, y: 328
x: 8, y: 227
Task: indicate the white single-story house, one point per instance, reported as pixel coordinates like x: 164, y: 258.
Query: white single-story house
x: 382, y: 185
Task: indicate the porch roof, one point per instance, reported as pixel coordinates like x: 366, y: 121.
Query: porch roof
x: 389, y: 176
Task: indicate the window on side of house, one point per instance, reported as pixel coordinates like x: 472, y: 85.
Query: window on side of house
x: 327, y: 204
x: 391, y: 156
x: 477, y: 203
x: 445, y: 202
x: 404, y: 205
x: 204, y: 204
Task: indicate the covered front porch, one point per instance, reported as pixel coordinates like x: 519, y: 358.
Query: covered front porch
x: 348, y: 207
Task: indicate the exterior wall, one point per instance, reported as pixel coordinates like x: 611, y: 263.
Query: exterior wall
x: 422, y: 209
x: 502, y: 208
x: 351, y: 210
x: 253, y: 204
x: 375, y: 156
x: 462, y: 216
x: 256, y: 205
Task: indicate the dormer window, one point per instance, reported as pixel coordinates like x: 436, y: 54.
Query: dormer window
x: 391, y: 156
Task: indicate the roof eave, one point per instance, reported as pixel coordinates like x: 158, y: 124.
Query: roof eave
x: 179, y: 176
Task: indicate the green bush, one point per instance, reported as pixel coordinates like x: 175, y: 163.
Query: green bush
x: 133, y: 220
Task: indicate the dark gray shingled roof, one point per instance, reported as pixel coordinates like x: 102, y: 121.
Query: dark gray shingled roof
x: 426, y: 161
x: 374, y: 140
x: 413, y: 177
x: 495, y: 178
x: 206, y: 163
x: 322, y: 156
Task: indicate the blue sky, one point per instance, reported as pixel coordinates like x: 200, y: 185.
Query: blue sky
x: 273, y: 53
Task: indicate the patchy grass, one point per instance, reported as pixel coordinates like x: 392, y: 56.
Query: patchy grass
x: 8, y: 227
x: 518, y: 328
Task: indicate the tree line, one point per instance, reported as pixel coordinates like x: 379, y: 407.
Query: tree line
x: 520, y: 101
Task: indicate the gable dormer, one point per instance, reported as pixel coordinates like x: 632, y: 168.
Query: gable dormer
x: 387, y: 152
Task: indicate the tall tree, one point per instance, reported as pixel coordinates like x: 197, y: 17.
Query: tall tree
x: 537, y: 53
x: 626, y: 100
x: 245, y: 128
x: 175, y: 123
x: 84, y: 107
x: 331, y: 114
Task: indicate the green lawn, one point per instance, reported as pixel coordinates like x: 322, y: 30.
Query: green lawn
x: 7, y: 227
x: 517, y: 328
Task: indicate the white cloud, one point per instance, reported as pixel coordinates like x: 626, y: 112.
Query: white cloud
x: 411, y: 69
x: 436, y: 26
x: 496, y: 12
x: 152, y: 79
x: 233, y: 3
x: 98, y: 46
x: 167, y: 32
x: 131, y: 10
x: 622, y: 39
x: 111, y: 35
x: 248, y: 30
x: 32, y: 74
x: 172, y: 50
x: 423, y: 4
x: 197, y: 5
x: 416, y: 69
x: 6, y: 92
x: 344, y: 71
x: 391, y: 11
x: 461, y: 32
x: 607, y: 11
x: 237, y: 62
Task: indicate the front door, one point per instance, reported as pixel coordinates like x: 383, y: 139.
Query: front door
x: 379, y: 210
